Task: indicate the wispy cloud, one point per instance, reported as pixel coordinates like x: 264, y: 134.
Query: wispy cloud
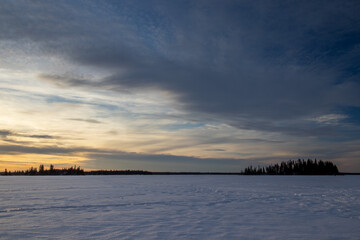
x: 85, y: 120
x: 330, y: 118
x: 9, y: 133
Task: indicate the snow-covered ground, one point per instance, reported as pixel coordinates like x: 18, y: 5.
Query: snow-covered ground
x: 180, y: 207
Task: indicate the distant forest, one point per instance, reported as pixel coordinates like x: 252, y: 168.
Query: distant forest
x: 291, y: 167
x: 73, y: 170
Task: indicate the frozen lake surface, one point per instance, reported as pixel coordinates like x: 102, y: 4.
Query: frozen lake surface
x: 180, y: 207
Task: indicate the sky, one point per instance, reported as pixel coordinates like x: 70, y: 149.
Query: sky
x: 179, y: 85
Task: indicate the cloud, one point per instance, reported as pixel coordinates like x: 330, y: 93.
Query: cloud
x: 66, y: 80
x: 165, y: 162
x: 85, y: 120
x: 20, y: 149
x: 103, y: 158
x: 5, y: 133
x: 231, y: 60
x: 40, y: 136
x: 330, y: 118
x: 13, y: 137
x: 9, y: 133
x: 215, y: 150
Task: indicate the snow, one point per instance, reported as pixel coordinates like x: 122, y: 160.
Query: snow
x: 180, y: 207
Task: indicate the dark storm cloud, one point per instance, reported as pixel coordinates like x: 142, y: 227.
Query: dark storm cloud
x: 259, y: 65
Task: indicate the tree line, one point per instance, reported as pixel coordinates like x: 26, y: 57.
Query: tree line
x: 73, y: 170
x: 292, y: 167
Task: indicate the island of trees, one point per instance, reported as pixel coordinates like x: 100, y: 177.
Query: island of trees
x: 299, y: 167
x: 291, y: 167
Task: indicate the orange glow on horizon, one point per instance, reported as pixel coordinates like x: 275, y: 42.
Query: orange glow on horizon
x: 25, y: 161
